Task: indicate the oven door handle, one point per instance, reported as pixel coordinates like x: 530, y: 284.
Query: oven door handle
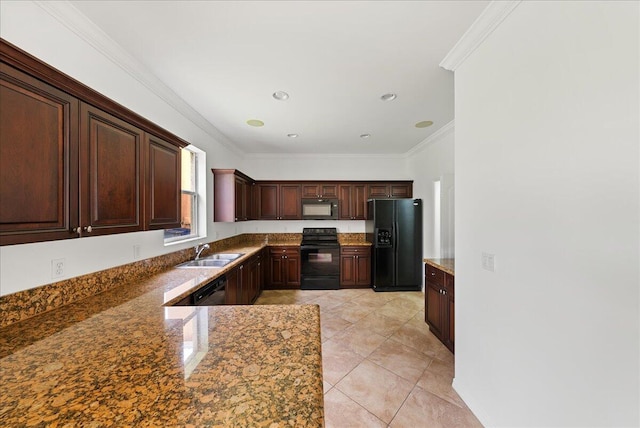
x: 319, y: 247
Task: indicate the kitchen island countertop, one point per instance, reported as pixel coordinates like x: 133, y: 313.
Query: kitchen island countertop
x: 122, y: 358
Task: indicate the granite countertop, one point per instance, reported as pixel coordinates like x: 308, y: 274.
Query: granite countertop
x: 123, y: 358
x: 446, y: 265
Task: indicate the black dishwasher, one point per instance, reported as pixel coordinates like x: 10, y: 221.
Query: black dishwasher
x: 211, y: 294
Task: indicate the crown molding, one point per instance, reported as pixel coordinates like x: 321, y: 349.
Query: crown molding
x: 78, y: 23
x: 482, y: 27
x: 432, y: 139
x: 323, y: 155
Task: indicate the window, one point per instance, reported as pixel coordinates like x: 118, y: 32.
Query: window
x: 193, y: 213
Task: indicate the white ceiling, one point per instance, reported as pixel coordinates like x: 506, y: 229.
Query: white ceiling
x: 334, y: 58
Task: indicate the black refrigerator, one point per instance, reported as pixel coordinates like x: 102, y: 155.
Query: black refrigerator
x: 394, y: 228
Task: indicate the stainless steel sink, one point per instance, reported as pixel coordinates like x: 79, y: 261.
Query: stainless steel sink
x: 212, y: 261
x: 204, y: 263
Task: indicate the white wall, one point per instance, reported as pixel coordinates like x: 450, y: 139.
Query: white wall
x: 547, y: 179
x: 429, y: 162
x: 32, y: 29
x: 321, y: 167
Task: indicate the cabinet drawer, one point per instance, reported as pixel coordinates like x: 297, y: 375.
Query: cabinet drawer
x: 284, y: 251
x: 355, y: 251
x: 434, y: 276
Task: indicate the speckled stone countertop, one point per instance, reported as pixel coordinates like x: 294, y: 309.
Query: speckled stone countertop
x: 447, y: 265
x: 353, y: 240
x: 122, y: 358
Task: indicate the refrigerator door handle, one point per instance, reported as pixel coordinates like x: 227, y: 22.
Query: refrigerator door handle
x: 394, y: 236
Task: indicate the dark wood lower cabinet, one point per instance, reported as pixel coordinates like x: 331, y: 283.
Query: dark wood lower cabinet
x: 245, y: 282
x: 284, y: 268
x: 440, y: 305
x: 355, y: 267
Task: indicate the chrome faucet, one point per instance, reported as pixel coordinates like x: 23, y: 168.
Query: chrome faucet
x: 199, y: 249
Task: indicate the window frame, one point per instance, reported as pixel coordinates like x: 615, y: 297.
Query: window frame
x: 198, y: 200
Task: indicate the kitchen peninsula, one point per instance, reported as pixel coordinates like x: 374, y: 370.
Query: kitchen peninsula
x: 122, y: 357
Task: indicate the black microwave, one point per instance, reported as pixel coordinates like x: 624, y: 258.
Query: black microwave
x: 319, y: 209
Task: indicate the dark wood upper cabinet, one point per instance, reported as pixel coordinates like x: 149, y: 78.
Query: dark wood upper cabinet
x: 352, y: 201
x: 111, y: 172
x: 319, y: 190
x: 163, y: 204
x: 75, y: 163
x: 38, y: 158
x: 396, y: 189
x: 232, y: 196
x: 268, y: 201
x: 279, y: 201
x: 290, y: 202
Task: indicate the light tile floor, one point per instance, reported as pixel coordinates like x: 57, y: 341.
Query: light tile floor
x: 382, y: 366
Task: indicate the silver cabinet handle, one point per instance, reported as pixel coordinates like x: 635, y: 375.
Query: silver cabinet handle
x: 88, y: 229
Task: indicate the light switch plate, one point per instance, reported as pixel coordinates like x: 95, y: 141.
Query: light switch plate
x: 489, y: 262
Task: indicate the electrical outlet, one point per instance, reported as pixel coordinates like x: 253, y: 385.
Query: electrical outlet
x: 136, y: 252
x: 489, y: 262
x: 57, y: 268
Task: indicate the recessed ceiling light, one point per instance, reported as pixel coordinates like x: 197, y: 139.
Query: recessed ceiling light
x: 292, y: 135
x: 255, y: 122
x: 280, y: 95
x: 365, y: 136
x: 424, y: 124
x: 388, y: 97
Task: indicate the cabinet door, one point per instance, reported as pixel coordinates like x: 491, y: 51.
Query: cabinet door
x: 402, y: 190
x: 239, y: 200
x: 328, y: 190
x: 262, y: 278
x: 276, y: 270
x: 231, y: 290
x: 242, y: 199
x: 347, y: 271
x: 451, y: 321
x: 292, y: 270
x: 111, y: 172
x: 163, y: 203
x: 359, y: 202
x: 434, y: 310
x: 244, y: 280
x: 378, y: 190
x: 268, y: 201
x: 249, y: 212
x: 363, y: 263
x: 38, y: 160
x: 344, y: 202
x: 254, y: 279
x: 290, y: 202
x: 310, y: 190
